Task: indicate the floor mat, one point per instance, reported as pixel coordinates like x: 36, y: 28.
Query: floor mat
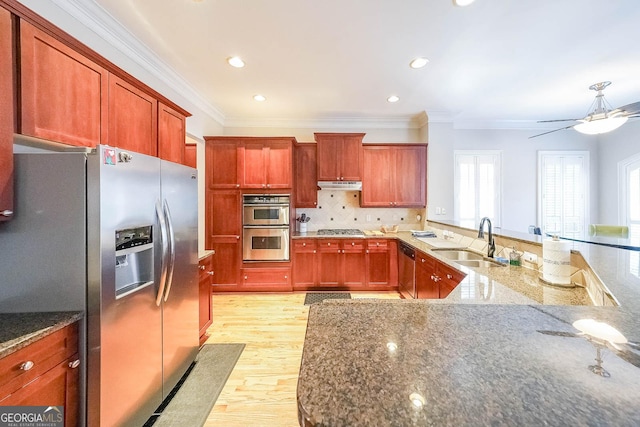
x: 196, y: 394
x: 314, y: 297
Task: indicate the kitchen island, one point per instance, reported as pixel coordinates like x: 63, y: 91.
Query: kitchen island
x: 513, y: 362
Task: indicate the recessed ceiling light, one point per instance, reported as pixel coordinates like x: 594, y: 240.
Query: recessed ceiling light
x: 418, y: 62
x: 463, y: 3
x: 235, y: 61
x: 259, y: 98
x: 393, y: 98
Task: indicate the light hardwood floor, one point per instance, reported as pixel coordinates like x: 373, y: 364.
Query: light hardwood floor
x: 261, y: 390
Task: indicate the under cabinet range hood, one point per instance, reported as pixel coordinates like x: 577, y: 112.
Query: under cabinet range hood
x: 340, y: 185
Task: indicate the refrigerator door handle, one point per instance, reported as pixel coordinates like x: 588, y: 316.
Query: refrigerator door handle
x: 165, y: 251
x: 172, y: 250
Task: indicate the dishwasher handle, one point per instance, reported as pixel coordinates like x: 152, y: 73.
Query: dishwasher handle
x: 408, y: 251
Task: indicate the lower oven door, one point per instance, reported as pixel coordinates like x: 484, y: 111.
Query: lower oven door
x: 265, y: 243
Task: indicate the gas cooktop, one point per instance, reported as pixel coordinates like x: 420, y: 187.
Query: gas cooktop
x: 340, y: 232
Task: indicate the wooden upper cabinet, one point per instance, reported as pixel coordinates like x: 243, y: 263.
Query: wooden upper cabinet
x: 6, y: 117
x: 266, y: 163
x: 305, y: 176
x: 63, y: 94
x: 339, y: 156
x: 394, y: 176
x: 221, y: 163
x: 171, y: 134
x: 133, y: 118
x: 191, y: 155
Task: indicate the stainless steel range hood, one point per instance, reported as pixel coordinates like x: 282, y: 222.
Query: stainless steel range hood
x: 340, y: 185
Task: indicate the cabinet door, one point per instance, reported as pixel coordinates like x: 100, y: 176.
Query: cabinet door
x: 304, y: 263
x: 171, y: 134
x: 377, y: 177
x: 410, y: 176
x: 221, y: 162
x: 191, y: 155
x: 306, y: 176
x: 351, y: 158
x: 222, y: 214
x: 329, y: 266
x: 206, y: 274
x: 353, y: 263
x: 253, y: 165
x: 225, y: 262
x: 6, y: 117
x: 63, y: 94
x: 328, y: 158
x: 56, y: 387
x: 426, y: 286
x: 133, y: 118
x: 449, y: 278
x: 279, y: 165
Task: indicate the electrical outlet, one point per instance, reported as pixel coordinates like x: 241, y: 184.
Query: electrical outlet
x: 438, y: 210
x: 368, y: 218
x: 529, y: 257
x: 444, y: 211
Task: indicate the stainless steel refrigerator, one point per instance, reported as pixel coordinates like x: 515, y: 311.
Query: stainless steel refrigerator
x: 114, y: 234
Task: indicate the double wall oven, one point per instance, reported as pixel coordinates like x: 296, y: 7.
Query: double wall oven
x: 265, y: 229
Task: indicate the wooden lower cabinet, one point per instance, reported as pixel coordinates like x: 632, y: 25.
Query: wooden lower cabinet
x: 434, y: 279
x: 44, y: 373
x: 6, y: 116
x: 352, y: 264
x: 226, y: 262
x: 206, y: 273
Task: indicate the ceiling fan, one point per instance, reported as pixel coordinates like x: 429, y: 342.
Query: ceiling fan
x: 601, y: 118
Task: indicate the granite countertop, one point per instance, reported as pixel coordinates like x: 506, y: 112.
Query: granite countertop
x: 499, y: 350
x: 21, y: 329
x: 471, y: 365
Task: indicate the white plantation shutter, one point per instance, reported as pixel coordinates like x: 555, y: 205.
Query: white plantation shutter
x: 631, y: 208
x: 563, y: 192
x: 477, y: 187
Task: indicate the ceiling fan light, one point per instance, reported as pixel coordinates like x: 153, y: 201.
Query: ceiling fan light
x: 418, y: 62
x: 462, y: 3
x: 596, y: 127
x: 235, y: 61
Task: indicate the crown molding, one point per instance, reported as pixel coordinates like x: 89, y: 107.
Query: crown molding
x: 354, y: 122
x: 96, y: 19
x: 475, y: 124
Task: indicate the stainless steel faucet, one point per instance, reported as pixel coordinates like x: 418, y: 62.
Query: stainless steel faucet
x: 492, y: 245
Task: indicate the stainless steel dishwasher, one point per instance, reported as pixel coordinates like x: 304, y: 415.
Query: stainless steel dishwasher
x: 406, y: 267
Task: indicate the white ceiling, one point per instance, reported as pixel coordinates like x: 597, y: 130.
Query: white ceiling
x: 496, y: 60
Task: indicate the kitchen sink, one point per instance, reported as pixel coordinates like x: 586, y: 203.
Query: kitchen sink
x: 478, y: 263
x: 458, y: 255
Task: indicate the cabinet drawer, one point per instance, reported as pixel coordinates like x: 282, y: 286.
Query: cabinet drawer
x: 19, y: 368
x: 378, y: 245
x: 425, y: 261
x: 329, y: 245
x: 266, y: 276
x: 353, y: 245
x: 205, y: 268
x: 306, y: 245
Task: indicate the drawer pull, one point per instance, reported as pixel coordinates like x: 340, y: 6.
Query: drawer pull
x: 74, y: 364
x: 304, y: 244
x: 353, y: 243
x: 314, y: 251
x: 27, y: 365
x: 210, y: 273
x: 449, y: 276
x: 201, y: 267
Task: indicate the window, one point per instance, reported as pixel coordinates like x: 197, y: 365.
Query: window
x: 477, y: 184
x: 562, y: 200
x: 629, y: 184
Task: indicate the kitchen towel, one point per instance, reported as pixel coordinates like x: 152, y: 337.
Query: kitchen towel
x: 556, y: 261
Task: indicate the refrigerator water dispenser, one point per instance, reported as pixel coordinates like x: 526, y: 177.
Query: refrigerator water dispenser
x: 134, y: 260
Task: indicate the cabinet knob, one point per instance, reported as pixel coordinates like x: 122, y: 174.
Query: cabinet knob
x: 315, y: 203
x: 422, y: 259
x: 391, y: 203
x: 314, y: 251
x: 210, y: 273
x: 377, y: 243
x: 237, y: 237
x: 6, y: 212
x: 329, y: 244
x: 286, y: 277
x: 449, y: 276
x: 74, y: 364
x: 353, y: 243
x: 246, y: 277
x: 201, y: 267
x: 367, y: 251
x: 304, y: 244
x: 27, y: 365
x: 237, y: 185
x: 268, y: 185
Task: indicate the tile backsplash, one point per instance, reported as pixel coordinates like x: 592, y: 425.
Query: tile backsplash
x: 341, y: 209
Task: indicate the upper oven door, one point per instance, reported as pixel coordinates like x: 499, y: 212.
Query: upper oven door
x: 276, y: 214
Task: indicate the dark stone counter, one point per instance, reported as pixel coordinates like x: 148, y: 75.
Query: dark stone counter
x: 21, y: 329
